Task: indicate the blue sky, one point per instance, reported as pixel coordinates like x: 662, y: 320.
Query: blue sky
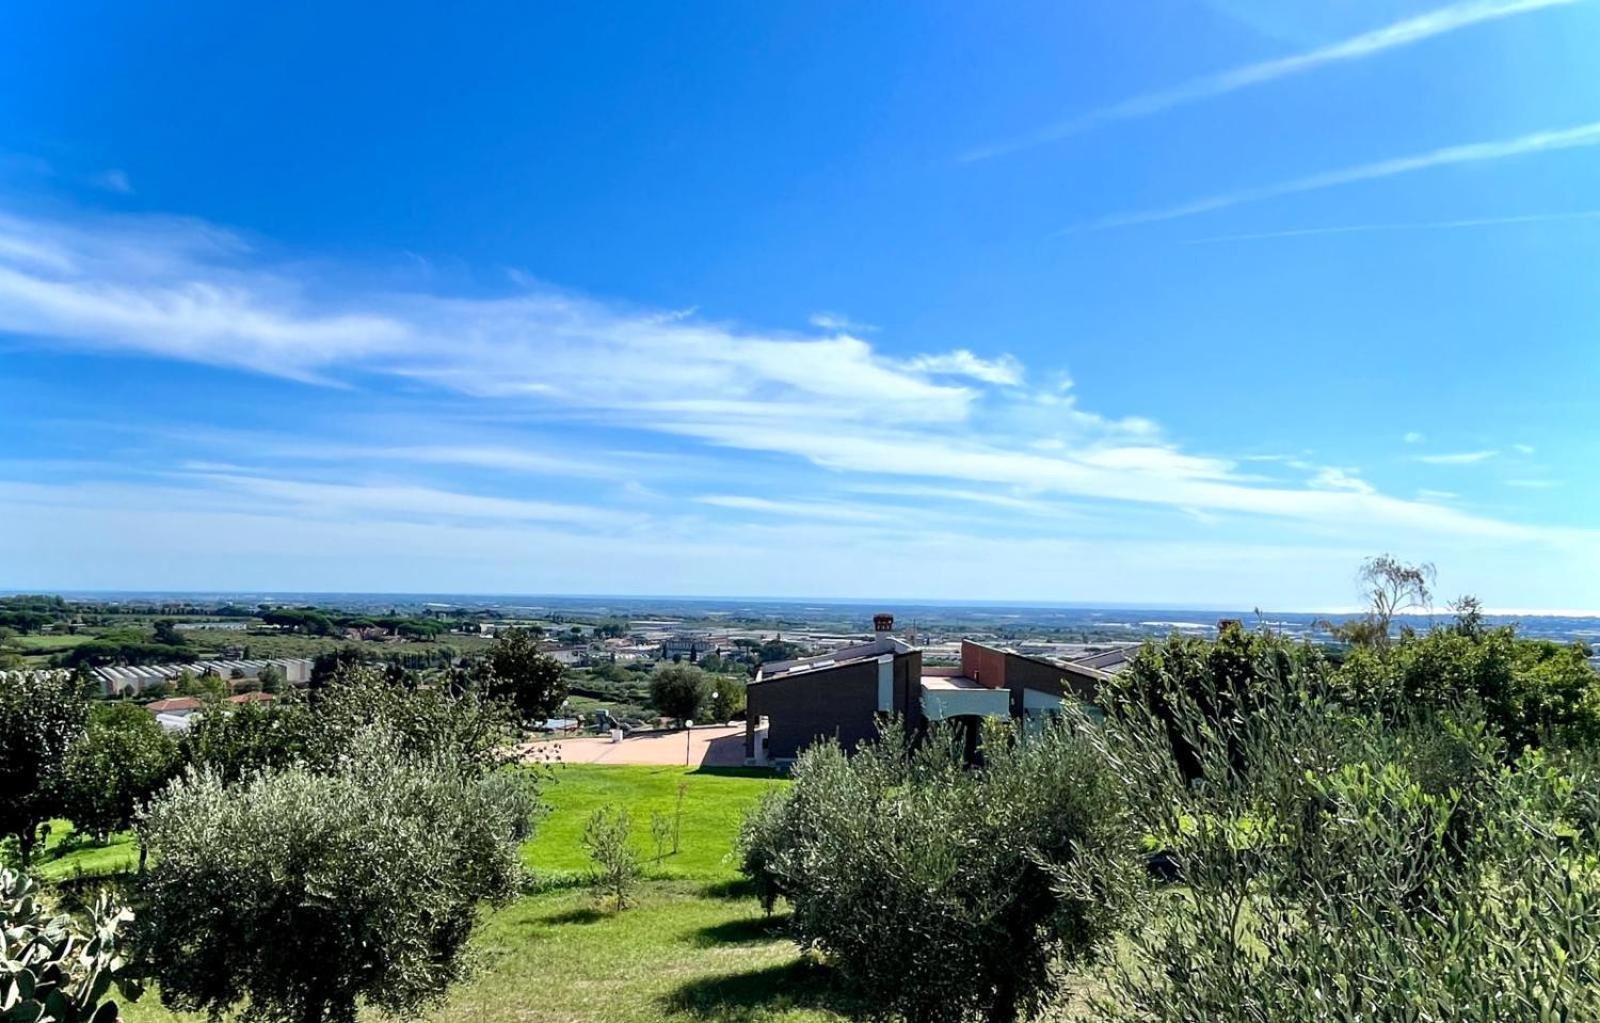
x: 1166, y: 301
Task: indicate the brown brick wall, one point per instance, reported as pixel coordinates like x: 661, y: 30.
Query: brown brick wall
x: 985, y: 666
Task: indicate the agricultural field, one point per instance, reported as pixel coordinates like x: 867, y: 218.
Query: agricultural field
x: 209, y: 642
x: 695, y: 946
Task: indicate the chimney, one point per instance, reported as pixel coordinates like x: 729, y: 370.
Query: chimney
x: 882, y: 625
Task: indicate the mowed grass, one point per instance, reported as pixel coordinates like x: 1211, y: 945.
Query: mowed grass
x: 695, y: 947
x: 714, y: 803
x: 65, y: 855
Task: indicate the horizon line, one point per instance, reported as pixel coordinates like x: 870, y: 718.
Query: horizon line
x: 771, y: 599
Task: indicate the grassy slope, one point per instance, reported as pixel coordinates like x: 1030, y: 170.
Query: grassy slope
x: 713, y: 805
x: 695, y: 948
x: 64, y: 855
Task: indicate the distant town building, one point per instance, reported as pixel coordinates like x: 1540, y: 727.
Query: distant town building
x: 688, y: 646
x: 132, y: 679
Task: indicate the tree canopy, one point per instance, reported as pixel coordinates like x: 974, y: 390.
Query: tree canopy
x: 41, y: 714
x: 297, y: 896
x: 678, y: 691
x: 515, y: 670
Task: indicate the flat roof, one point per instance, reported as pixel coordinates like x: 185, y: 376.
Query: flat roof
x: 953, y: 683
x: 855, y: 654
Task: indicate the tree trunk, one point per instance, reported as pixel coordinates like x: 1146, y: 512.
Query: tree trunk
x: 25, y: 840
x: 1004, y: 1008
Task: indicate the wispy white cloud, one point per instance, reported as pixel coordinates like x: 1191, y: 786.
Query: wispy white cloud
x: 1331, y: 478
x: 1413, y: 437
x: 830, y: 511
x: 409, y: 502
x: 1457, y: 457
x: 1533, y: 484
x: 184, y: 290
x: 840, y: 323
x: 994, y: 497
x: 1368, y: 44
x: 1522, y: 449
x: 1581, y: 136
x: 1421, y: 225
x: 962, y: 363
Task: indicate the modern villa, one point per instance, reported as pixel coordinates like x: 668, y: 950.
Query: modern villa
x: 842, y: 693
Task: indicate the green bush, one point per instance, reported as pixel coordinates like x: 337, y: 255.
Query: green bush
x: 470, y: 729
x: 943, y: 892
x: 114, y: 768
x: 246, y: 739
x: 1220, y: 680
x: 615, y: 872
x: 41, y: 714
x: 1367, y: 866
x: 763, y: 839
x: 679, y: 691
x: 297, y: 895
x: 1530, y: 691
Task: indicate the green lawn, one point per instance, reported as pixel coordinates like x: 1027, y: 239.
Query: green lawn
x: 696, y: 947
x: 65, y: 855
x: 714, y: 803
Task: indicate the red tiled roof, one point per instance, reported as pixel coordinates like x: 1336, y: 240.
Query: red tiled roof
x: 257, y: 697
x: 173, y: 703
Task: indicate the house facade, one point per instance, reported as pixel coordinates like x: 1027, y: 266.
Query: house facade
x: 842, y: 694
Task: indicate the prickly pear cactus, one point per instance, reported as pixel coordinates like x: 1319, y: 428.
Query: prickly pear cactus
x: 52, y: 968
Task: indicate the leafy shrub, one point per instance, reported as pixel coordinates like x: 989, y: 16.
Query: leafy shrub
x: 763, y: 839
x: 615, y: 873
x: 241, y: 742
x: 678, y: 691
x: 52, y: 967
x: 122, y: 760
x: 1220, y: 680
x: 41, y: 714
x: 943, y: 892
x: 297, y: 895
x: 1529, y: 691
x: 469, y: 729
x: 1367, y: 866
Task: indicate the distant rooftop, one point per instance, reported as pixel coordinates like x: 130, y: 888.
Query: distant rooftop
x: 868, y: 651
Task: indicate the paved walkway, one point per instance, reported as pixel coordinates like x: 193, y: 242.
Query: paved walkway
x: 704, y: 745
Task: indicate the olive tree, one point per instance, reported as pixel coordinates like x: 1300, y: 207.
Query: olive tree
x: 296, y: 896
x: 472, y: 730
x: 943, y: 891
x: 41, y: 714
x: 1367, y: 866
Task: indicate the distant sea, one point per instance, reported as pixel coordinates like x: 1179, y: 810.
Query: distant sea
x: 856, y: 615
